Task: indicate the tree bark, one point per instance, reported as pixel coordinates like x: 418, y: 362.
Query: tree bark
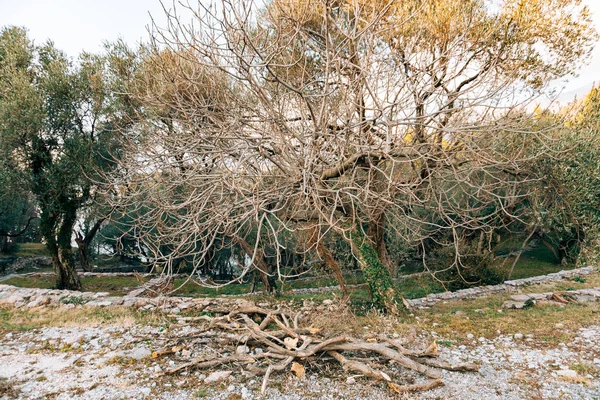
x: 3, y: 244
x: 57, y: 232
x: 376, y: 233
x: 83, y: 245
x: 376, y: 275
x: 262, y: 267
x: 312, y: 238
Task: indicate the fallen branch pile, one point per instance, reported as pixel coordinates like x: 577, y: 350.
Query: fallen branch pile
x: 242, y: 333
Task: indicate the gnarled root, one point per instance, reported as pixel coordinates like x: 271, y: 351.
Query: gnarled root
x: 285, y: 341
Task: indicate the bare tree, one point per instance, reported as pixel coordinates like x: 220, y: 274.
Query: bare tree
x: 336, y: 117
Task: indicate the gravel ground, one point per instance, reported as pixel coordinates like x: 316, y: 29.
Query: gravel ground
x: 115, y: 363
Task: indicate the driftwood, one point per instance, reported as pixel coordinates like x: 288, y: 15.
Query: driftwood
x: 285, y: 343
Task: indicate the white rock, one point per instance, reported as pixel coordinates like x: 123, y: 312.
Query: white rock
x: 242, y: 350
x: 139, y: 353
x: 246, y: 394
x: 567, y: 372
x: 328, y: 302
x: 470, y: 336
x: 217, y: 376
x: 350, y: 380
x: 518, y: 336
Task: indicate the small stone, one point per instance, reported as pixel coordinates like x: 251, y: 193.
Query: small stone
x: 217, y: 376
x: 596, y: 361
x: 75, y: 345
x: 518, y: 336
x: 459, y: 312
x: 511, y: 304
x: 328, y: 302
x: 567, y: 373
x: 258, y: 351
x: 157, y: 369
x: 559, y: 326
x: 470, y: 336
x: 350, y: 380
x: 246, y: 394
x: 481, y: 339
x: 230, y: 388
x: 176, y: 310
x: 139, y: 353
x: 242, y: 350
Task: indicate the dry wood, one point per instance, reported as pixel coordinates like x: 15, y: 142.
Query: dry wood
x: 271, y: 330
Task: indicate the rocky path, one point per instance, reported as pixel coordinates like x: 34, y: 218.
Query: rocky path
x: 116, y: 363
x: 108, y: 359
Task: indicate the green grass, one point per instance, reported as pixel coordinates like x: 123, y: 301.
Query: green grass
x: 534, y: 262
x: 28, y: 250
x: 115, y: 285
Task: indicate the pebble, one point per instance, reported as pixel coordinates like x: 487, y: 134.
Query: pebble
x: 518, y: 336
x: 245, y: 393
x: 217, y: 376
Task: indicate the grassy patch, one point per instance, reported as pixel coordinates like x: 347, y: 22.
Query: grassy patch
x: 482, y: 317
x: 29, y: 250
x: 25, y: 320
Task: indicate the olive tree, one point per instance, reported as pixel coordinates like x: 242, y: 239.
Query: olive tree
x: 57, y: 126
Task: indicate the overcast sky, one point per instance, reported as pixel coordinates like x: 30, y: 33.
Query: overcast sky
x: 76, y: 25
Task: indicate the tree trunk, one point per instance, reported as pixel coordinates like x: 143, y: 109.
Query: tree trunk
x: 3, y: 244
x: 376, y: 233
x: 84, y: 256
x: 378, y: 277
x: 69, y: 279
x: 261, y: 266
x: 57, y: 232
x: 83, y: 245
x: 312, y: 238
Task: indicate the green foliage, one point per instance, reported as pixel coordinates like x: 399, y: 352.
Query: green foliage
x: 57, y: 134
x: 376, y: 275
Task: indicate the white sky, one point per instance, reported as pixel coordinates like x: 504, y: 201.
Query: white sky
x: 76, y: 25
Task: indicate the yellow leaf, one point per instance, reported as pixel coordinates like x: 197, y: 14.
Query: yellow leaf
x: 290, y: 343
x: 298, y: 369
x: 432, y: 349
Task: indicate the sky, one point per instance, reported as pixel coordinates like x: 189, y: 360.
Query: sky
x: 77, y: 25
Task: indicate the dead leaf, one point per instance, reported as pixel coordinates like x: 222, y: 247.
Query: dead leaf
x: 385, y: 376
x: 406, y: 304
x: 432, y: 349
x: 299, y: 370
x: 372, y: 340
x: 162, y: 352
x: 290, y: 343
x: 314, y: 331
